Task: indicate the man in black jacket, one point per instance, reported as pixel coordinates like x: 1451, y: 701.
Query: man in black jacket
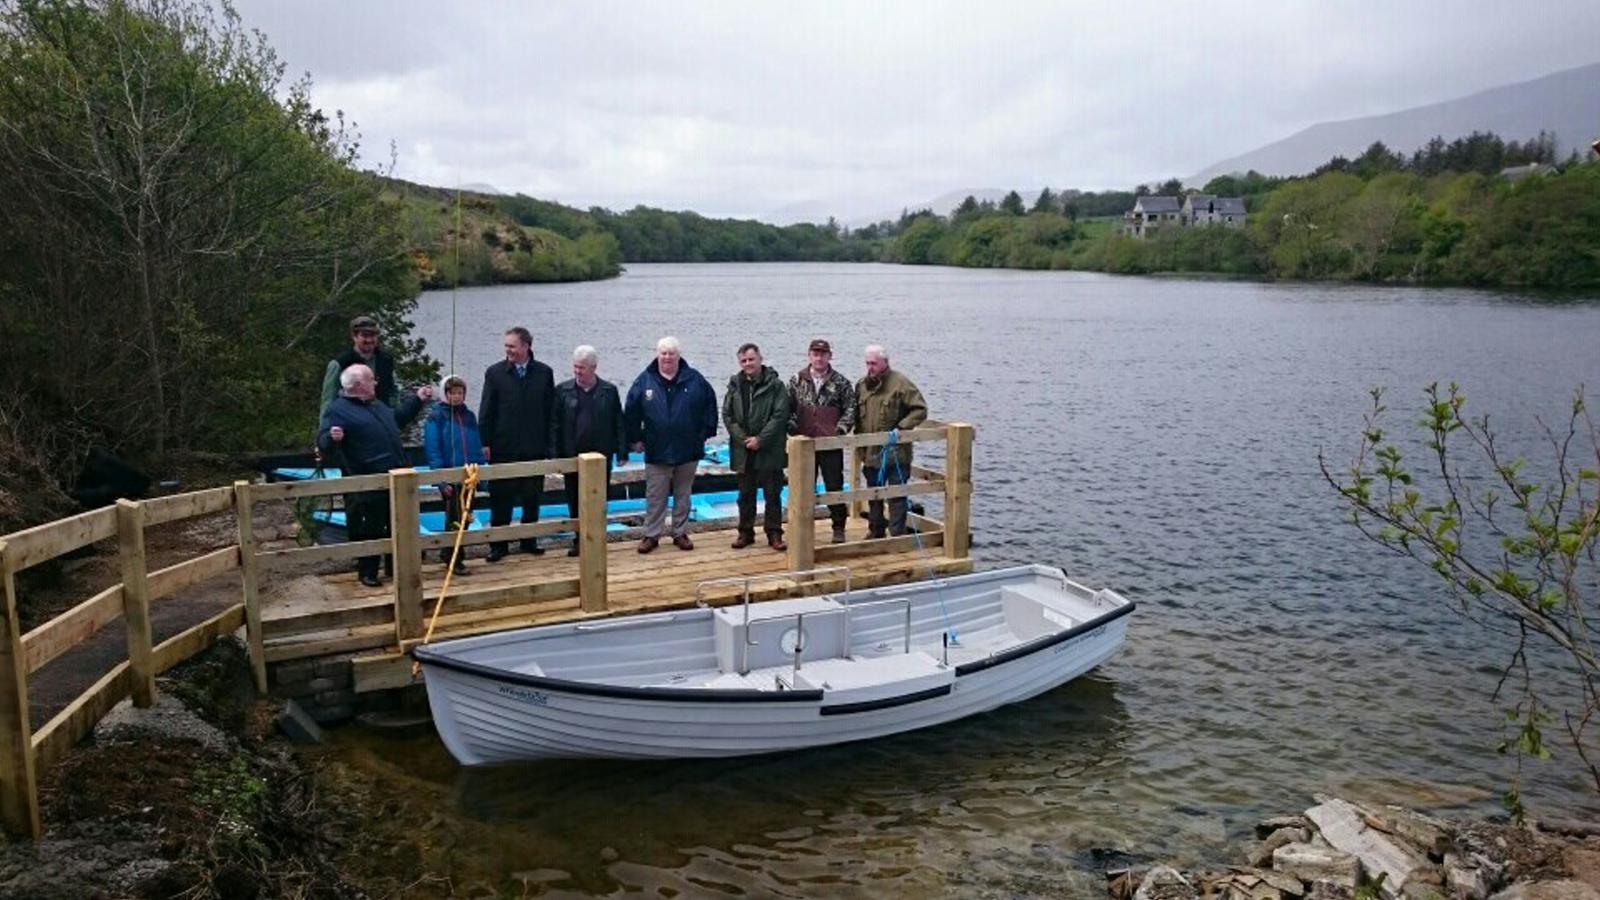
x: 514, y: 419
x: 363, y: 350
x: 365, y: 434
x: 586, y: 418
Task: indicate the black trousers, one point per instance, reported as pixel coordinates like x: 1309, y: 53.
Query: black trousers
x: 503, y: 495
x: 897, y: 505
x: 770, y: 481
x: 569, y: 484
x: 830, y: 465
x: 366, y: 518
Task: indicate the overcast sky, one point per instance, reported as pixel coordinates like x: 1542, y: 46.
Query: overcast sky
x: 772, y: 109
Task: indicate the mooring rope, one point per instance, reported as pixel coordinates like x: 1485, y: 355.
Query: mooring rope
x: 469, y: 484
x: 886, y: 454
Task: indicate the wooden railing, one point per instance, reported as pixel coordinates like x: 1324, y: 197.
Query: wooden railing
x: 407, y: 543
x: 25, y: 752
x: 954, y: 483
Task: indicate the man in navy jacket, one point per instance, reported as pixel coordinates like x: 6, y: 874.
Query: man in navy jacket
x: 366, y: 436
x: 514, y: 418
x: 670, y: 413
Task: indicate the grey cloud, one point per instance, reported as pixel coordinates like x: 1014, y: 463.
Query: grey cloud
x: 742, y: 108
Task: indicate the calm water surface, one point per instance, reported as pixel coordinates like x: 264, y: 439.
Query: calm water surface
x: 1156, y: 436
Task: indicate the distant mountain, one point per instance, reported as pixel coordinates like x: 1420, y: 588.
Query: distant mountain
x: 1566, y: 103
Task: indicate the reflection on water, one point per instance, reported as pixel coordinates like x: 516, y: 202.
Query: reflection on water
x: 974, y: 784
x: 1156, y: 436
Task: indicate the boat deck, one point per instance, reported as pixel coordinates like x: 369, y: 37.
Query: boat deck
x: 330, y: 614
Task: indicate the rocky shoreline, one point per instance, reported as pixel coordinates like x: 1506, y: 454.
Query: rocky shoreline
x: 1338, y: 850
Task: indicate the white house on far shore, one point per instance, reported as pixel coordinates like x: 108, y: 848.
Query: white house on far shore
x: 1153, y: 212
x: 1150, y: 213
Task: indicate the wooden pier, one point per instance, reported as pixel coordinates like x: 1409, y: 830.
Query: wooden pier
x: 375, y: 627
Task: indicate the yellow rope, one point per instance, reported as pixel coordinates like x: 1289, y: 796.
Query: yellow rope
x: 468, y: 485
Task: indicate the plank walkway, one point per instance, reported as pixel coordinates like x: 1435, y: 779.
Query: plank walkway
x: 341, y: 615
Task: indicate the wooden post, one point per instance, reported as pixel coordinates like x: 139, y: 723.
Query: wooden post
x: 404, y: 525
x: 19, y: 787
x: 855, y: 462
x: 802, y: 503
x: 957, y: 489
x: 136, y: 600
x: 591, y: 537
x: 250, y: 575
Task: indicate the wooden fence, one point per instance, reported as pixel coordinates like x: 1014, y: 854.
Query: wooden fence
x: 954, y: 483
x: 25, y: 752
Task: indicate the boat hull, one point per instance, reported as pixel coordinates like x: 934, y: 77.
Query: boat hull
x: 486, y: 717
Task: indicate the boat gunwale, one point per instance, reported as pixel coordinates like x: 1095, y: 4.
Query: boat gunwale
x: 427, y: 657
x: 1045, y: 641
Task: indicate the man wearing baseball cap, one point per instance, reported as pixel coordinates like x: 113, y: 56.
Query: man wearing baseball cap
x: 822, y: 403
x: 363, y: 350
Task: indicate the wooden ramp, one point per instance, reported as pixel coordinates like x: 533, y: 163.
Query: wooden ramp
x: 343, y: 616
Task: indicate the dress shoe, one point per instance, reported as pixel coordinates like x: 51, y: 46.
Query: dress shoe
x: 371, y: 581
x: 874, y: 534
x: 496, y: 554
x: 682, y: 542
x: 648, y: 544
x: 775, y: 541
x: 533, y: 548
x: 743, y: 541
x: 573, y: 550
x: 838, y: 535
x: 461, y: 567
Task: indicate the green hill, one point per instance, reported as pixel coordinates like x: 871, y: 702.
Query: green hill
x: 469, y: 239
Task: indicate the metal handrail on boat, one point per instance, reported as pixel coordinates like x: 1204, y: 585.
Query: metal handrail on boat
x: 853, y: 606
x: 744, y: 581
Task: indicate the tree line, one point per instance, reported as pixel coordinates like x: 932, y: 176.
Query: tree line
x: 1440, y: 215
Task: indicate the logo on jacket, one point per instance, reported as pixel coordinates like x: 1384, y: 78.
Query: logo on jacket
x: 649, y: 393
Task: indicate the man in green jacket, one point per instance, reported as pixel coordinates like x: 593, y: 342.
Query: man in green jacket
x: 886, y: 400
x: 755, y: 410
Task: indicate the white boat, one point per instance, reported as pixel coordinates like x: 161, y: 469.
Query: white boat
x: 769, y: 676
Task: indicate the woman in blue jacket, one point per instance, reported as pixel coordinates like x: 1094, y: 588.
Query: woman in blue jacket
x: 451, y: 439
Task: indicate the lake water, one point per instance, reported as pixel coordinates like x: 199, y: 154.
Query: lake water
x: 1156, y: 436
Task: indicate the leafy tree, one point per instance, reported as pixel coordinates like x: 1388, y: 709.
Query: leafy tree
x: 916, y: 243
x: 1171, y: 187
x: 1046, y: 202
x: 208, y: 240
x: 1515, y: 551
x: 1012, y: 204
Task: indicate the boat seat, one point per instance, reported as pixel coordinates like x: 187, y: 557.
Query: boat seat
x: 862, y: 679
x: 1030, y: 611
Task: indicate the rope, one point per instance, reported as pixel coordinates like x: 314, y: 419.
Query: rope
x: 469, y: 484
x: 886, y: 454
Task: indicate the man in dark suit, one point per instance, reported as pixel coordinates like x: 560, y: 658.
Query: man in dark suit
x: 514, y: 419
x: 586, y: 418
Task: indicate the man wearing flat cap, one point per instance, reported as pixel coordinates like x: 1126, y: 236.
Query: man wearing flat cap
x: 823, y: 404
x: 364, y: 350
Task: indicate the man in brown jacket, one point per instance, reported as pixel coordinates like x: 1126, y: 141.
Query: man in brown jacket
x: 823, y: 404
x: 886, y: 401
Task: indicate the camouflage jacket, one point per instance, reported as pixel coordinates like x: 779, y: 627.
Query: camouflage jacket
x: 825, y: 413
